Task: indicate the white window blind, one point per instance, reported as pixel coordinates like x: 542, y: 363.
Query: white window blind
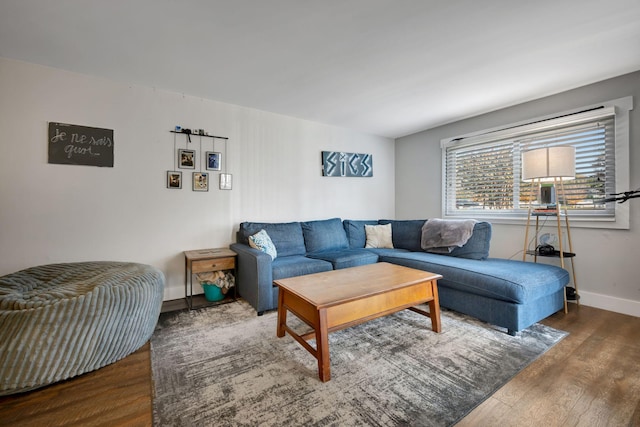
x: 482, y: 173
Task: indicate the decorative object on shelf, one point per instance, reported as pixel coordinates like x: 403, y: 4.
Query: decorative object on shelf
x: 337, y: 163
x: 186, y: 159
x: 174, y: 179
x: 200, y: 181
x: 549, y: 165
x: 226, y: 181
x: 188, y: 133
x: 80, y: 145
x: 213, y: 160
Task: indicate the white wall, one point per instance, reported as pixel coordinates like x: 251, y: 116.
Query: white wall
x: 62, y: 213
x: 607, y: 260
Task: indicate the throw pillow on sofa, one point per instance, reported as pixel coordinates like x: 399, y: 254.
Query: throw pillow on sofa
x: 378, y: 236
x: 262, y: 241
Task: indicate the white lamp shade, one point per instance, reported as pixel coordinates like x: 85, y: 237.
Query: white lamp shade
x: 549, y: 163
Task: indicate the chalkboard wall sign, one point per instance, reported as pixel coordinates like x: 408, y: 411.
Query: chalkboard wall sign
x: 80, y: 145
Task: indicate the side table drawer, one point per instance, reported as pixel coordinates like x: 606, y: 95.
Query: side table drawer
x: 213, y: 264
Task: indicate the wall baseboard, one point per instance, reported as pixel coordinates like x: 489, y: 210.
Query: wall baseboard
x: 606, y: 302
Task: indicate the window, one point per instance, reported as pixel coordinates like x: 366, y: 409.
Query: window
x: 482, y: 171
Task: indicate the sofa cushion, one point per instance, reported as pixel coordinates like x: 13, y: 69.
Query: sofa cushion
x: 508, y: 280
x: 355, y: 231
x: 296, y: 265
x: 406, y: 234
x: 286, y: 237
x: 324, y: 235
x: 346, y: 258
x: 378, y: 236
x: 263, y: 242
x: 477, y: 247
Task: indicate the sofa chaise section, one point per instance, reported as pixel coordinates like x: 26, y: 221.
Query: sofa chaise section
x: 508, y: 293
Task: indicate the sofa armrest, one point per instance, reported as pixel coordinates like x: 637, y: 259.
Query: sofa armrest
x: 255, y: 276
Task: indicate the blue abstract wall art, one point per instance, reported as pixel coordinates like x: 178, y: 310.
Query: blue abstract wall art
x: 338, y: 163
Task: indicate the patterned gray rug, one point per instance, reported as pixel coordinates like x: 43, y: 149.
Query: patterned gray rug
x: 224, y: 366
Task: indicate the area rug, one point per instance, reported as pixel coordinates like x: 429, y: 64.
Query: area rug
x: 224, y: 366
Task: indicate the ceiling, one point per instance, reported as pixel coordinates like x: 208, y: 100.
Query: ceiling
x: 385, y: 67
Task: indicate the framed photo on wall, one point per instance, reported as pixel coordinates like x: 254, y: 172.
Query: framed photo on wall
x: 200, y: 181
x: 174, y: 180
x: 213, y: 160
x: 226, y: 181
x: 186, y: 159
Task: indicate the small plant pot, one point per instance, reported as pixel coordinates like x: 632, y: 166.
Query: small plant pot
x: 212, y: 292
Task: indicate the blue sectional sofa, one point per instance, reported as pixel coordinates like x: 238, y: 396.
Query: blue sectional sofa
x: 507, y: 293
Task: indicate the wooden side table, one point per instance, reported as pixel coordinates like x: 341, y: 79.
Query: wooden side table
x: 207, y: 260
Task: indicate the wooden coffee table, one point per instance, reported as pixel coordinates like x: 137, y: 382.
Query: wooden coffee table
x: 338, y: 299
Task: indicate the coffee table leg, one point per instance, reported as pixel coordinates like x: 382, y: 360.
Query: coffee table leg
x: 322, y: 347
x: 282, y: 314
x: 434, y: 309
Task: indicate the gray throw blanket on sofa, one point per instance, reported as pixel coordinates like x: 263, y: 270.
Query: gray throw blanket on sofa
x: 444, y: 235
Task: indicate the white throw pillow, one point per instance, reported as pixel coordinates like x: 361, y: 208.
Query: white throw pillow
x: 263, y: 242
x: 378, y: 236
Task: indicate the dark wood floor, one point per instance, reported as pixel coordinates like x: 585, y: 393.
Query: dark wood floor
x: 591, y: 378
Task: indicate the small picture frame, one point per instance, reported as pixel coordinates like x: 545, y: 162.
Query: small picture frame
x: 213, y: 160
x: 200, y: 181
x: 174, y: 180
x: 226, y: 181
x: 186, y: 159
